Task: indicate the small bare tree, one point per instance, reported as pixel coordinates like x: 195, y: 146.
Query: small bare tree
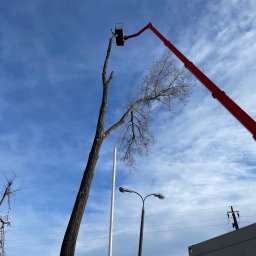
x: 164, y: 84
x: 8, y: 191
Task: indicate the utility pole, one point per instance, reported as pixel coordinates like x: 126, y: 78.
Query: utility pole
x: 234, y: 213
x: 110, y: 250
x: 2, y: 235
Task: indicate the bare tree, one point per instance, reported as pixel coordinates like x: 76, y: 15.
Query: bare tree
x: 6, y: 194
x: 8, y: 191
x: 164, y: 84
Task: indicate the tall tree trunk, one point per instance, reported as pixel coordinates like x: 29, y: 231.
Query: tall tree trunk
x: 70, y: 238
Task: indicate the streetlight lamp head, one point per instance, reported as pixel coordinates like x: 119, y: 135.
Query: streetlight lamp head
x: 159, y: 195
x: 122, y: 189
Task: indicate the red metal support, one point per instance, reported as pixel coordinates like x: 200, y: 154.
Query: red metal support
x: 217, y: 93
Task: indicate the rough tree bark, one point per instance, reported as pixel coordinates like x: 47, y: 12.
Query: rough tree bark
x: 135, y: 136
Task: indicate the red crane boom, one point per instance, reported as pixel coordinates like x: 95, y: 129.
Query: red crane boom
x: 217, y: 93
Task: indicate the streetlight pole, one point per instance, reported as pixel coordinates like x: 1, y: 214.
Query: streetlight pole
x: 158, y: 195
x: 141, y: 229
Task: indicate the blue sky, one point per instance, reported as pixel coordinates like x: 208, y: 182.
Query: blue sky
x: 51, y: 56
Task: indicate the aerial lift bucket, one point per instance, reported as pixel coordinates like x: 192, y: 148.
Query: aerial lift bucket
x: 119, y: 34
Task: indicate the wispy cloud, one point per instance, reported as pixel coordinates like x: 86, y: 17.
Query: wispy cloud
x: 203, y: 161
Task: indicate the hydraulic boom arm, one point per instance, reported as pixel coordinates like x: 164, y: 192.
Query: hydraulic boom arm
x: 217, y: 93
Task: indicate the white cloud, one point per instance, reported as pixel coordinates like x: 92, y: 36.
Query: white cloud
x: 203, y: 161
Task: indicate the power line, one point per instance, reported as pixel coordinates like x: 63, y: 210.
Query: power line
x: 127, y: 232
x: 179, y: 226
x: 116, y: 233
x: 46, y: 228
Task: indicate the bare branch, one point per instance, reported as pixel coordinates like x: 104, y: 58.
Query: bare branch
x: 164, y: 85
x: 119, y: 122
x: 106, y: 81
x: 110, y: 77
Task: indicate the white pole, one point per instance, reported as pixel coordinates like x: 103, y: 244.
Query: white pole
x: 112, y: 205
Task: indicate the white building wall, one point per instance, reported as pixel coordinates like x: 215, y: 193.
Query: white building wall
x: 240, y: 242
